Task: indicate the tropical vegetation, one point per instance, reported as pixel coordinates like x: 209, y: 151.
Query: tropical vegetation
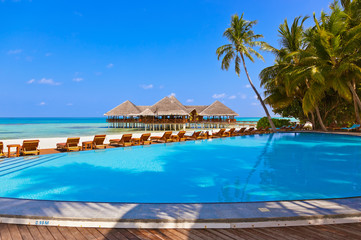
x: 242, y: 42
x: 264, y: 123
x: 316, y: 76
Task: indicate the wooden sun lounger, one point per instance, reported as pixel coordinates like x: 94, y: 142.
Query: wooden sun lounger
x: 179, y: 137
x: 239, y: 132
x: 218, y: 134
x: 98, y: 141
x: 163, y: 139
x: 30, y: 147
x: 143, y: 140
x: 70, y: 145
x: 263, y: 130
x: 203, y: 135
x: 2, y: 154
x: 229, y: 132
x: 125, y: 141
x: 250, y: 131
x: 194, y: 136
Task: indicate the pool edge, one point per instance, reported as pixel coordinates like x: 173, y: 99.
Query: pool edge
x: 229, y: 215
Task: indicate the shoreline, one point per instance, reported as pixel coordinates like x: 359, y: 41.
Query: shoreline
x: 50, y: 143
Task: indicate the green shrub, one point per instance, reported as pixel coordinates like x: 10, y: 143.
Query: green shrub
x: 263, y: 122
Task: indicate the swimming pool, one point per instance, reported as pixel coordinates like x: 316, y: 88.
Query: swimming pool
x: 269, y: 167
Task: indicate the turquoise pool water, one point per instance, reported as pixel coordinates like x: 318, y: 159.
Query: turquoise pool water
x: 282, y: 166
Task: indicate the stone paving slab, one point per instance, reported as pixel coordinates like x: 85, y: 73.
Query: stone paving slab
x: 215, y: 212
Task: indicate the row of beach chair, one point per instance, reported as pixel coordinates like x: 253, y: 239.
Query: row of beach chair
x: 72, y: 144
x: 29, y: 147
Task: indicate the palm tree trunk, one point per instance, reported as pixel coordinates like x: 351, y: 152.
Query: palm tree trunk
x: 258, y: 96
x: 354, y: 97
x: 313, y: 121
x: 357, y: 112
x: 320, y: 119
x: 354, y: 94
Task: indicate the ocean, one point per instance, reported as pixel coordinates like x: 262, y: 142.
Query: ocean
x: 15, y: 128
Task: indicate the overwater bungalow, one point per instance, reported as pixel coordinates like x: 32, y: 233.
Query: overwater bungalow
x: 170, y: 113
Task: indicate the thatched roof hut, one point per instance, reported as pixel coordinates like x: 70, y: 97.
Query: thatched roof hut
x: 127, y: 108
x: 146, y: 112
x: 171, y: 106
x: 198, y: 109
x: 218, y: 109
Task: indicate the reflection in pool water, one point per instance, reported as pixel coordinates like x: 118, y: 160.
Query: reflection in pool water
x: 284, y: 166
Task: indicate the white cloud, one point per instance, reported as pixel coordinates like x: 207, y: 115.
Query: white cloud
x: 248, y: 86
x: 78, y: 79
x: 15, y: 51
x: 255, y: 97
x: 78, y: 14
x: 171, y: 95
x: 48, y: 81
x: 145, y: 86
x: 232, y: 97
x: 69, y: 104
x: 48, y: 54
x: 110, y: 65
x: 190, y: 100
x: 219, y: 95
x: 98, y: 73
x: 255, y: 104
x: 243, y: 96
x: 161, y: 86
x: 42, y: 103
x: 31, y: 81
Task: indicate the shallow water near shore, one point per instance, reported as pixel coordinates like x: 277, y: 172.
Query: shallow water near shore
x: 20, y: 128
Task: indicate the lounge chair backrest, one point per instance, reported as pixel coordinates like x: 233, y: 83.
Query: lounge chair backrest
x: 1, y: 147
x: 145, y: 137
x: 220, y: 132
x: 99, y: 139
x: 181, y: 134
x: 231, y: 130
x: 30, y: 145
x: 196, y: 134
x: 166, y: 135
x: 242, y: 130
x: 71, y: 142
x: 126, y: 137
x: 250, y: 129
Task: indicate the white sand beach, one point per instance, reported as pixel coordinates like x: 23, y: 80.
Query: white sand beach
x: 50, y: 143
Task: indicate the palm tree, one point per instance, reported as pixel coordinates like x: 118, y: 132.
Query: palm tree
x: 332, y: 56
x: 242, y: 40
x: 353, y: 11
x: 276, y: 79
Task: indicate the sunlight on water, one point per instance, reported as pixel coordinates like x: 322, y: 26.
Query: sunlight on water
x: 285, y: 166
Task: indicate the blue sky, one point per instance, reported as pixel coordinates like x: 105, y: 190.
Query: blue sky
x: 81, y: 58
